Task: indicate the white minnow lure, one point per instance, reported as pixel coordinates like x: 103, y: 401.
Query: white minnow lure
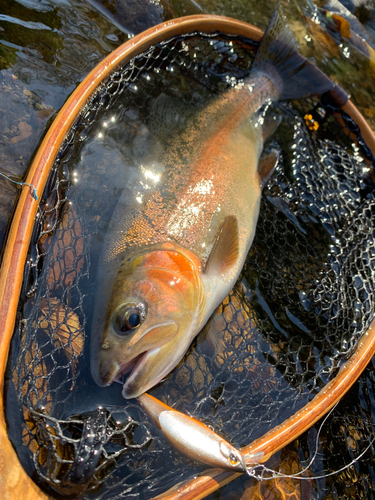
x: 194, y: 439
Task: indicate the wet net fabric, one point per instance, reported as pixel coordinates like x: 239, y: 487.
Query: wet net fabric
x: 302, y: 302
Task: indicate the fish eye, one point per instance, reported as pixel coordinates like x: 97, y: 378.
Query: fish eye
x: 134, y: 319
x: 128, y: 317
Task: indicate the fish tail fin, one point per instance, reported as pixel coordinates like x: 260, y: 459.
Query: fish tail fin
x: 278, y: 57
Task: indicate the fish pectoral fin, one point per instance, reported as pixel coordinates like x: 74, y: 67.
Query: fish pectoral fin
x: 225, y: 251
x: 267, y: 165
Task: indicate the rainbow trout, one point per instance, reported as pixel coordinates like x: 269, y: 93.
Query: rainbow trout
x: 172, y: 255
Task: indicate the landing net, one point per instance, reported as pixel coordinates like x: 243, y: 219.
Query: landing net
x: 301, y: 305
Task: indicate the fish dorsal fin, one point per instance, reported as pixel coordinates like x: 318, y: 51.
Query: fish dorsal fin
x: 267, y: 165
x: 225, y: 251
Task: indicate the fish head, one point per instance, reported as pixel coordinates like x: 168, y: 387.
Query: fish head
x: 150, y: 320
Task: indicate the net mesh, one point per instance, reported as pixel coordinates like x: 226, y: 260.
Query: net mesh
x: 297, y: 311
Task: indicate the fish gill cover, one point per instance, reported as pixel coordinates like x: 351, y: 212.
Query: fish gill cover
x: 303, y: 300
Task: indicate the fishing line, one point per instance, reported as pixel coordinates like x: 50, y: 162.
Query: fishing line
x: 251, y: 471
x: 21, y: 184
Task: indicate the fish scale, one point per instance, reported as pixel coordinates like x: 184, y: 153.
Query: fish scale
x: 183, y: 199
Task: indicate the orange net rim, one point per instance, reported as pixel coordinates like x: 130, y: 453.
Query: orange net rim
x: 14, y: 482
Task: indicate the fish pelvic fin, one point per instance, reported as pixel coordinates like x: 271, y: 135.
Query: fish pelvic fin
x: 278, y: 57
x: 225, y: 251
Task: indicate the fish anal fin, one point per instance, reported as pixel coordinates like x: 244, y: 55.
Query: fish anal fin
x: 270, y: 124
x: 225, y: 251
x: 267, y: 165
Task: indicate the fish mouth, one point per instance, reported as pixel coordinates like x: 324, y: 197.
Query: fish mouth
x: 139, y: 372
x: 126, y: 369
x: 131, y: 373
